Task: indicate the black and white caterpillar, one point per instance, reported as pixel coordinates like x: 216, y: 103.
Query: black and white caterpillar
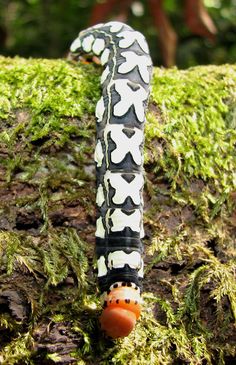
x: 120, y: 117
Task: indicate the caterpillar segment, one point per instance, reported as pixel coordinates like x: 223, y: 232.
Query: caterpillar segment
x: 120, y: 117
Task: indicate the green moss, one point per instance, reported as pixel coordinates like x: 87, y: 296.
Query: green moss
x: 17, y: 351
x: 47, y: 133
x: 59, y: 253
x: 196, y: 139
x: 41, y: 99
x: 222, y: 277
x: 46, y: 86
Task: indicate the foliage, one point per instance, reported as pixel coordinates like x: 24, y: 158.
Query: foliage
x: 42, y: 28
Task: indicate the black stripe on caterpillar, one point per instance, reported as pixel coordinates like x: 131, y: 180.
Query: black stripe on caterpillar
x: 120, y: 114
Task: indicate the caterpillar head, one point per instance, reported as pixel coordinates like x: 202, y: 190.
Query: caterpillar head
x: 121, y: 310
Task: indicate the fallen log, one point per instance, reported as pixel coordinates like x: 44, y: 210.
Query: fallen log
x: 49, y: 303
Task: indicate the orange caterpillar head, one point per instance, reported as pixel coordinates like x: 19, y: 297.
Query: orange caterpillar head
x: 122, y: 309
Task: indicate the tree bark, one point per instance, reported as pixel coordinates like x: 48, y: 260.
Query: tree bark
x: 49, y: 302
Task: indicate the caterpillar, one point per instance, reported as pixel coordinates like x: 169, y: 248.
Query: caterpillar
x: 120, y: 117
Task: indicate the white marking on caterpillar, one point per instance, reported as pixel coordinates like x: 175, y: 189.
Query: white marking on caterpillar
x: 105, y: 74
x: 100, y: 230
x: 124, y: 189
x: 100, y: 110
x: 105, y: 56
x: 98, y: 155
x: 115, y: 26
x: 130, y: 97
x: 96, y: 26
x: 121, y: 220
x: 134, y: 60
x: 100, y: 198
x: 87, y: 43
x: 102, y: 269
x: 124, y: 144
x: 119, y: 259
x: 140, y: 272
x: 75, y: 45
x: 129, y: 37
x: 98, y: 46
x: 142, y: 233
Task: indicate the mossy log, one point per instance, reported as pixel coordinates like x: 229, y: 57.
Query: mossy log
x: 49, y: 302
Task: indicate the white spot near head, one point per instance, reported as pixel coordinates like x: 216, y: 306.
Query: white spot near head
x: 75, y: 45
x: 98, y: 46
x: 87, y: 43
x: 101, y: 265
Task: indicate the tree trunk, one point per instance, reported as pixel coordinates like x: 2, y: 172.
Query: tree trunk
x: 49, y: 302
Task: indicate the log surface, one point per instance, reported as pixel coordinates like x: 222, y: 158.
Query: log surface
x: 49, y: 303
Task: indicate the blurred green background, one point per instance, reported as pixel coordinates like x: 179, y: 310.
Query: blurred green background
x: 46, y: 28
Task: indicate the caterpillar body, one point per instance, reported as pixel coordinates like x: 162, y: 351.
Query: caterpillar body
x: 120, y: 114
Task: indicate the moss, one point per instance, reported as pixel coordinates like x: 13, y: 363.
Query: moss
x: 43, y: 105
x: 196, y: 140
x: 49, y: 300
x: 47, y: 86
x: 17, y: 351
x: 58, y: 253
